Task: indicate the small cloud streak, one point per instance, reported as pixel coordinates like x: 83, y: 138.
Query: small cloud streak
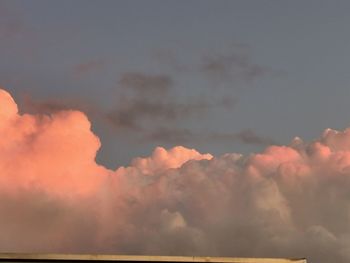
x: 176, y: 135
x: 46, y: 106
x: 11, y: 29
x: 88, y: 67
x: 230, y: 67
x: 168, y: 58
x: 132, y: 113
x: 11, y: 24
x: 143, y: 83
x: 51, y: 106
x: 245, y: 136
x: 167, y: 135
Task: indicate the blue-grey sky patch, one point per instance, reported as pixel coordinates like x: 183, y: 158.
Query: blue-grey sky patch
x: 194, y: 45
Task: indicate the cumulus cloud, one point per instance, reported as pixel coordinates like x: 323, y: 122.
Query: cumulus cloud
x: 287, y: 201
x: 29, y: 143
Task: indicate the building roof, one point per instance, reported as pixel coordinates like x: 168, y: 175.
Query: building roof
x: 15, y: 257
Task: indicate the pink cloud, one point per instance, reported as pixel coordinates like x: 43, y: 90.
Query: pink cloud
x: 162, y: 159
x: 56, y: 153
x: 287, y: 201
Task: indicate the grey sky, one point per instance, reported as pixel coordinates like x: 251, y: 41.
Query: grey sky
x: 277, y: 69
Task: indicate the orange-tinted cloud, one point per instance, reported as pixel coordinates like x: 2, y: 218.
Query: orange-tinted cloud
x: 287, y: 201
x: 54, y: 153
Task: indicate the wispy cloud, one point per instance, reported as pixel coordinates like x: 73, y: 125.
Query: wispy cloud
x: 88, y: 67
x: 12, y: 24
x: 231, y: 67
x: 133, y: 112
x: 235, y: 65
x: 146, y: 83
x: 247, y: 136
x: 181, y: 136
x: 50, y: 106
x: 142, y: 100
x: 168, y: 58
x: 171, y: 135
x: 149, y: 97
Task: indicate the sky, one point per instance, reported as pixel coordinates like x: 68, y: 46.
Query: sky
x: 272, y: 69
x: 156, y: 112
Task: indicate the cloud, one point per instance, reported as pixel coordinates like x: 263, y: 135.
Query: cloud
x: 11, y: 23
x: 286, y: 201
x: 11, y: 29
x: 51, y: 106
x: 168, y: 58
x: 171, y: 135
x: 88, y: 67
x: 39, y: 145
x: 46, y: 106
x: 177, y: 135
x: 162, y: 160
x: 143, y: 83
x: 246, y: 136
x: 133, y: 112
x: 232, y: 66
x: 141, y: 99
x: 148, y: 98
